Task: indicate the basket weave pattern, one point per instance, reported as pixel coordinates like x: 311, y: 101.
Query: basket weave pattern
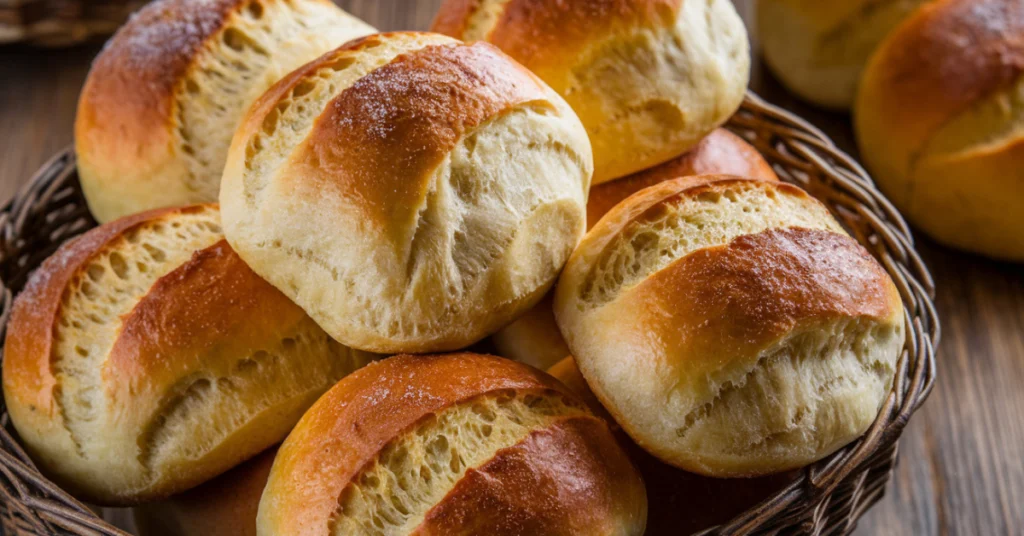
x: 826, y: 499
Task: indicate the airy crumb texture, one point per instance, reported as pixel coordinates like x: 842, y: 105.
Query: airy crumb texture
x: 144, y: 358
x: 412, y: 193
x: 451, y: 444
x: 163, y: 99
x: 730, y: 326
x: 649, y: 79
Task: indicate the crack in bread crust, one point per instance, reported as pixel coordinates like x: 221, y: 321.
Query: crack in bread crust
x: 706, y: 216
x: 393, y: 493
x: 104, y: 291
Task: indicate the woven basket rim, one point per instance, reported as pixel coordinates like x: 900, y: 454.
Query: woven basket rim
x: 827, y: 498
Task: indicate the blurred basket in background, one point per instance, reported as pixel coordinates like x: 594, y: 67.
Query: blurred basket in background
x: 58, y: 23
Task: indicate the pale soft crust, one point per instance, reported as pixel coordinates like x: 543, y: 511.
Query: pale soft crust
x: 684, y: 501
x: 162, y: 100
x: 649, y: 79
x: 534, y: 338
x: 730, y: 326
x: 413, y: 444
x: 940, y: 123
x: 410, y: 192
x: 144, y: 358
x: 224, y: 505
x: 818, y: 49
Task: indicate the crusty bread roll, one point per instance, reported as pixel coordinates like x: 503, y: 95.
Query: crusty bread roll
x: 534, y: 338
x: 226, y: 505
x: 455, y: 444
x: 940, y: 123
x: 144, y: 358
x: 817, y: 48
x: 648, y: 78
x: 162, y: 100
x: 412, y: 193
x: 678, y: 502
x: 730, y: 326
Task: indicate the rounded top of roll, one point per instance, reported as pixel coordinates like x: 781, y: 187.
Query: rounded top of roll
x: 943, y: 100
x: 947, y: 56
x: 145, y: 357
x: 420, y: 432
x: 706, y: 283
x: 162, y: 99
x: 411, y: 192
x: 133, y: 81
x: 648, y: 78
x: 547, y: 36
x: 377, y: 143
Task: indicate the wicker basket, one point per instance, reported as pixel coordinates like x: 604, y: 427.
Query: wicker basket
x: 827, y: 498
x: 56, y: 23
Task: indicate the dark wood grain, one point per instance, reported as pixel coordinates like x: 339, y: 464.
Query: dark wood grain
x: 961, y: 467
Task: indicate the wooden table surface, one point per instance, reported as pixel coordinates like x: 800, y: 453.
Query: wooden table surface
x: 961, y: 468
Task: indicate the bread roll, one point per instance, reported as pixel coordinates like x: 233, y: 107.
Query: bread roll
x: 817, y: 49
x: 144, y: 358
x: 940, y: 123
x: 451, y: 444
x: 678, y: 502
x: 534, y: 338
x: 226, y: 505
x: 412, y: 193
x: 730, y: 326
x: 569, y: 374
x: 648, y: 78
x: 162, y: 100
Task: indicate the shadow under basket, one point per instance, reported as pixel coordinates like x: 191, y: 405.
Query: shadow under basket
x: 826, y: 498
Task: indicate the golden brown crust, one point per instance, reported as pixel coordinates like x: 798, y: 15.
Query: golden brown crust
x: 352, y: 422
x: 737, y: 298
x: 129, y: 95
x: 946, y: 56
x: 535, y: 488
x: 422, y: 119
x: 720, y: 153
x: 28, y: 368
x: 453, y: 16
x: 213, y: 299
x: 543, y: 33
x: 224, y: 505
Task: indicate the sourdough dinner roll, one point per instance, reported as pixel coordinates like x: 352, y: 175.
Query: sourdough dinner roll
x: 534, y: 338
x: 162, y: 100
x: 144, y: 358
x: 940, y: 122
x: 448, y: 445
x: 412, y: 193
x: 648, y: 78
x: 730, y: 326
x: 818, y: 49
x: 226, y: 505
